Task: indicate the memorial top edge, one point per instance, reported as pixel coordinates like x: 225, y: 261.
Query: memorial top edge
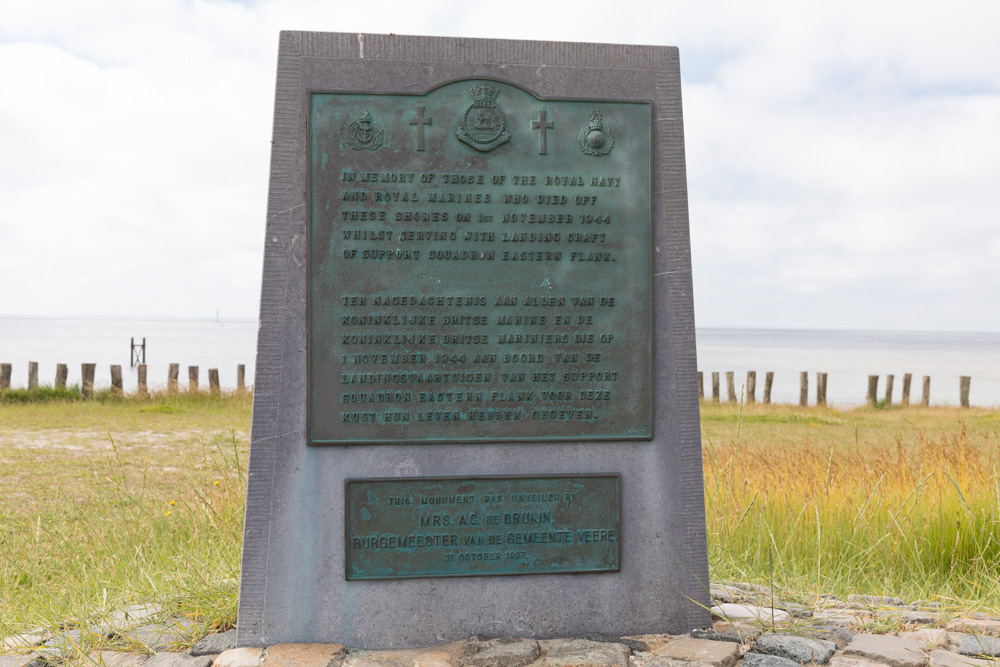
x: 483, y: 51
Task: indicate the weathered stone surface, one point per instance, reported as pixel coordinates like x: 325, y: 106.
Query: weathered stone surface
x: 240, y: 657
x: 586, y: 653
x: 305, y: 655
x: 722, y: 595
x: 979, y: 645
x: 27, y: 660
x: 799, y: 649
x: 505, y: 652
x: 795, y: 609
x: 115, y: 659
x: 942, y: 658
x: 712, y: 635
x: 765, y: 660
x: 370, y: 660
x: 844, y: 661
x: 179, y: 660
x: 893, y: 651
x: 657, y: 661
x: 733, y: 612
x: 927, y: 638
x: 720, y: 654
x: 215, y: 643
x: 160, y: 636
x: 833, y: 633
x: 841, y: 617
x: 21, y: 641
x: 633, y: 644
x: 980, y: 626
x: 866, y: 601
x: 433, y: 659
x: 921, y: 617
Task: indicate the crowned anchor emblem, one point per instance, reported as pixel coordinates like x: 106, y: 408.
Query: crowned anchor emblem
x: 365, y: 135
x: 483, y: 125
x: 596, y: 138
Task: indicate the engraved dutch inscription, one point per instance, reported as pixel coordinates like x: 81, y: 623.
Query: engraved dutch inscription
x: 433, y: 527
x: 485, y: 280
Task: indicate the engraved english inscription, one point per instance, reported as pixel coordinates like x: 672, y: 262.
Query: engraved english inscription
x: 427, y: 527
x: 478, y: 272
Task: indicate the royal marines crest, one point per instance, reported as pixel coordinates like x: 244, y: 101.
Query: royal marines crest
x: 596, y: 138
x: 483, y: 125
x: 365, y: 135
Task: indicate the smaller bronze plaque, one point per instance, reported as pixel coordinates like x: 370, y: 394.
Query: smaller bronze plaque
x: 474, y: 526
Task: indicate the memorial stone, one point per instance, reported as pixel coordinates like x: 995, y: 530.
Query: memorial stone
x: 475, y: 407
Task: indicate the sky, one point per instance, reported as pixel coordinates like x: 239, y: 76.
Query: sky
x: 843, y: 159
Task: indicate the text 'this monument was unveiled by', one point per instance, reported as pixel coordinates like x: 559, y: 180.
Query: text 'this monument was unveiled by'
x: 475, y: 408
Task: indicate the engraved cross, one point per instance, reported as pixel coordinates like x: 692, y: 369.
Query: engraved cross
x: 541, y: 124
x: 420, y: 121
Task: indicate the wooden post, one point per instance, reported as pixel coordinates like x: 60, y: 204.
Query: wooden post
x: 768, y: 381
x: 62, y: 372
x: 701, y: 385
x: 193, y: 379
x: 888, y: 388
x: 172, y: 375
x: 907, y: 379
x: 730, y: 387
x: 715, y: 386
x: 32, y: 375
x: 87, y: 379
x: 964, y: 381
x: 116, y: 381
x: 804, y: 388
x: 143, y: 389
x: 751, y: 387
x: 5, y: 376
x: 820, y: 388
x: 925, y: 397
x: 872, y: 389
x: 241, y: 372
x: 213, y: 382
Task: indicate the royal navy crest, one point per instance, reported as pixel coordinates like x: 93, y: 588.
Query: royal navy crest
x: 364, y: 134
x: 483, y: 125
x: 596, y: 138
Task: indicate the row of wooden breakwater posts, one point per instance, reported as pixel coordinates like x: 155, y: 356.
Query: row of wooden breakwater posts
x: 88, y: 371
x: 965, y: 382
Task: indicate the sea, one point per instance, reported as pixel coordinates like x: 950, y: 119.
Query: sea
x: 848, y: 357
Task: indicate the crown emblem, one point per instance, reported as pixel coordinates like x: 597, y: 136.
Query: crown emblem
x: 596, y: 138
x: 483, y: 124
x: 363, y: 134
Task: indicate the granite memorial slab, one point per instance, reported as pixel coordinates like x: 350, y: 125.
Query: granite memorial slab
x: 475, y: 408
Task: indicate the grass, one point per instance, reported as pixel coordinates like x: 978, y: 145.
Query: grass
x: 901, y: 502
x: 118, y: 501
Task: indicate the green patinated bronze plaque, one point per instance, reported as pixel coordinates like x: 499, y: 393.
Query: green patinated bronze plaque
x: 450, y: 527
x: 479, y: 267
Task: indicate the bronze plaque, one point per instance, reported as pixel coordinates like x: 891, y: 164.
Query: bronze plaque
x: 451, y: 527
x: 479, y: 267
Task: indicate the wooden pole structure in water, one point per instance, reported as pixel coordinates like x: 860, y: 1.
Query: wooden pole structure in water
x: 925, y: 397
x: 907, y: 379
x: 751, y: 387
x: 213, y: 382
x: 172, y: 376
x: 715, y: 386
x: 804, y: 388
x: 872, y: 389
x: 87, y: 379
x: 241, y: 384
x: 730, y: 387
x: 32, y: 375
x: 964, y: 383
x: 193, y: 379
x: 62, y: 372
x: 768, y: 381
x: 888, y: 388
x: 5, y: 376
x: 143, y: 389
x: 116, y: 381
